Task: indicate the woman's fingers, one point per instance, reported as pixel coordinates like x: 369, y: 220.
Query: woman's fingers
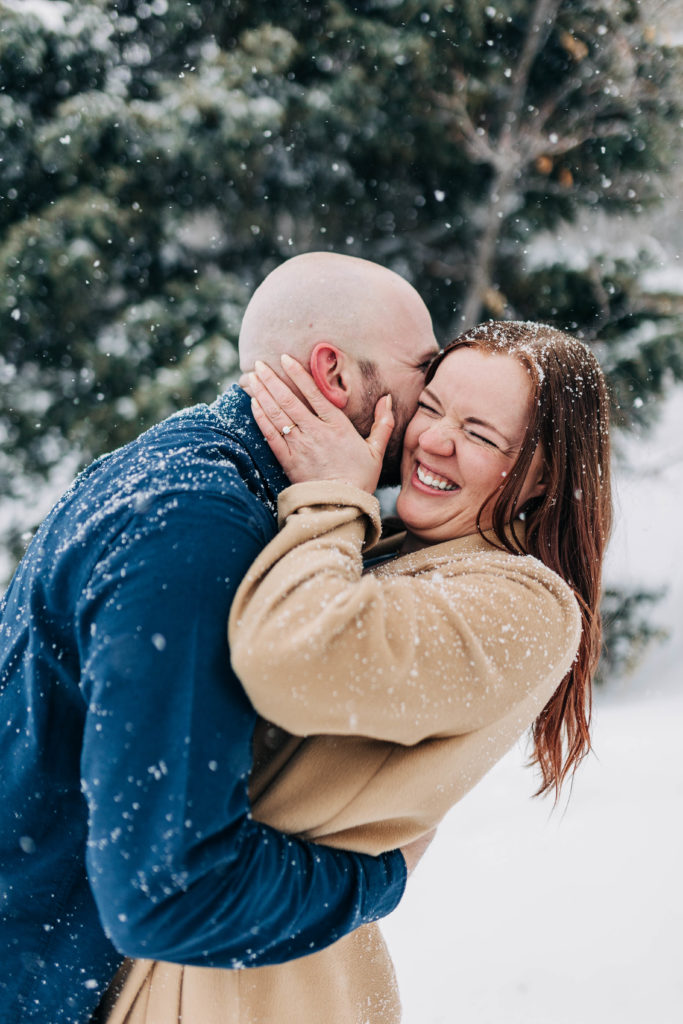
x: 277, y: 442
x: 316, y: 441
x: 280, y: 394
x: 308, y: 387
x: 382, y: 427
x: 272, y: 408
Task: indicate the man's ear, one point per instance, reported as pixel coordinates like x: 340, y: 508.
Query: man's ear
x: 330, y: 371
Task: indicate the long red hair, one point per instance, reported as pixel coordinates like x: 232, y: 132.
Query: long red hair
x: 567, y: 527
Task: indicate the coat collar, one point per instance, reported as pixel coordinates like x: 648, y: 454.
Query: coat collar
x: 388, y: 548
x: 233, y: 408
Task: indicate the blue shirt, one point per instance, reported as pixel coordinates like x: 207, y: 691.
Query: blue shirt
x: 126, y: 738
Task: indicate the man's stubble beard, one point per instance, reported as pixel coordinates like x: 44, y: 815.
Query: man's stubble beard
x: 375, y: 387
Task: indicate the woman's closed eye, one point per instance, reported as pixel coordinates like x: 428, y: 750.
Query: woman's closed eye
x: 428, y: 408
x: 480, y: 438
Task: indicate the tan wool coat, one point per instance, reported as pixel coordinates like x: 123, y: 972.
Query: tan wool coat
x: 392, y: 692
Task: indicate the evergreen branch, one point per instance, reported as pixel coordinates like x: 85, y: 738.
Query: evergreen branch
x: 556, y: 100
x: 567, y: 143
x: 463, y: 129
x: 542, y: 23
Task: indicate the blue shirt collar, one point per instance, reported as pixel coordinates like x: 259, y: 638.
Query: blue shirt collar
x: 233, y: 408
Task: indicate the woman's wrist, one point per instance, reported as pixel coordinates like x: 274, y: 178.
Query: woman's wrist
x: 331, y: 496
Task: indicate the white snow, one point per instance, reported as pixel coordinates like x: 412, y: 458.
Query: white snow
x: 520, y: 916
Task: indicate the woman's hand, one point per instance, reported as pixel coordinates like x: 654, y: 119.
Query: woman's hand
x: 319, y: 443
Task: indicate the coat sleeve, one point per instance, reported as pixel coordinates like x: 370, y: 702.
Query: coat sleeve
x: 179, y: 869
x: 322, y: 648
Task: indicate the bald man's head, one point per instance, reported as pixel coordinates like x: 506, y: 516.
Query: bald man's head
x: 367, y: 329
x: 360, y: 329
x: 324, y: 296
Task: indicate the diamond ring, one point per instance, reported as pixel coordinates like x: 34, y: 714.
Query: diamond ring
x: 287, y: 429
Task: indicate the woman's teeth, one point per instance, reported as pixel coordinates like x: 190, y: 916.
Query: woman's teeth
x: 434, y: 481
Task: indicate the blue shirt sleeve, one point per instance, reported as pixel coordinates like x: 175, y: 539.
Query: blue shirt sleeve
x: 179, y: 870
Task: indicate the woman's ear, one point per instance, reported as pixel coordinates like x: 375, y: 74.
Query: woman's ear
x: 540, y: 484
x: 329, y: 369
x: 538, y: 478
x: 539, y: 488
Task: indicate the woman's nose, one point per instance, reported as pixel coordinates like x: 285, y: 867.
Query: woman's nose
x: 438, y: 440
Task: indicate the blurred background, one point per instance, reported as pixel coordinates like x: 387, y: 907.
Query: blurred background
x: 519, y: 159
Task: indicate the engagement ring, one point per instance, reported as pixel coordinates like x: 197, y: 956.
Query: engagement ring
x: 288, y: 429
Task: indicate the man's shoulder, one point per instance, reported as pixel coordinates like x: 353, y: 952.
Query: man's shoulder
x: 192, y: 455
x: 190, y: 475
x: 196, y: 449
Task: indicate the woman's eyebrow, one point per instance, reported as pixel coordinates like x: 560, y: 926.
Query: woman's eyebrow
x: 434, y: 398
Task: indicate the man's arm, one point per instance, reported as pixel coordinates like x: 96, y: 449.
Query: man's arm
x: 179, y: 869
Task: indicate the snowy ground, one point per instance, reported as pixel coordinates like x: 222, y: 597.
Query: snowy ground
x: 520, y: 916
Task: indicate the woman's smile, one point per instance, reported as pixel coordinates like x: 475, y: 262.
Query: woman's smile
x: 432, y: 482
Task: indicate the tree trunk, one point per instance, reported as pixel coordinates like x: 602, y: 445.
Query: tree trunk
x: 505, y: 164
x: 482, y: 266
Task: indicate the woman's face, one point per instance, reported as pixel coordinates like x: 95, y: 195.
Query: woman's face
x: 462, y: 442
